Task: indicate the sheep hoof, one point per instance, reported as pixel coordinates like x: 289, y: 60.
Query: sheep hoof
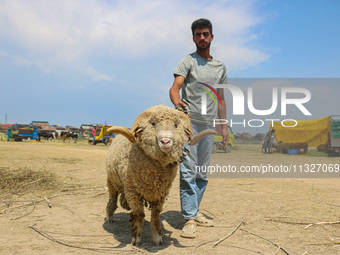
x: 109, y: 219
x: 136, y: 241
x: 158, y: 240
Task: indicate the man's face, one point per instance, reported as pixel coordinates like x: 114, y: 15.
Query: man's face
x: 202, y: 38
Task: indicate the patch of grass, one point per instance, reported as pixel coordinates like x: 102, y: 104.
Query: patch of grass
x: 316, y: 154
x: 23, y: 180
x: 66, y: 160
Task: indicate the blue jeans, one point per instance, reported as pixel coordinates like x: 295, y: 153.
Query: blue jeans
x: 192, y: 182
x: 267, y: 144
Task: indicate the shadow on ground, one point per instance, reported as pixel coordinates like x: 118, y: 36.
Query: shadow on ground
x: 121, y: 231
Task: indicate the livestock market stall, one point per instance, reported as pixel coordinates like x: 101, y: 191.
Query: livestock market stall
x: 323, y: 133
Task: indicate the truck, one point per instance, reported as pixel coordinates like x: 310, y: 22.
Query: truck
x: 334, y: 135
x: 217, y: 145
x: 103, y: 136
x: 29, y: 132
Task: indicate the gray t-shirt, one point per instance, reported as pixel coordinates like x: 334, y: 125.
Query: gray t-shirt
x: 201, y: 76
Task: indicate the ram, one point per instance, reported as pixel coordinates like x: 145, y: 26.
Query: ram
x: 142, y: 164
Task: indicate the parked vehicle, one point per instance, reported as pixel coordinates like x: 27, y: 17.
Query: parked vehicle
x: 103, y: 136
x: 218, y: 139
x: 26, y: 133
x: 334, y: 135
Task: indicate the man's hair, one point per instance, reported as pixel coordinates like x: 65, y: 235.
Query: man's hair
x: 201, y: 23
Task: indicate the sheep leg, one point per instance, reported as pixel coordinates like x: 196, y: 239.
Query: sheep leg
x: 123, y: 202
x: 156, y: 228
x: 136, y: 215
x: 136, y: 224
x: 111, y: 205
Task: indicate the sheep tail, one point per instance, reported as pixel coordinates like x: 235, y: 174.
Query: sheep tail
x: 200, y: 135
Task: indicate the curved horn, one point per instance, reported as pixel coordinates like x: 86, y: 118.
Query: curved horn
x: 200, y: 135
x: 123, y: 131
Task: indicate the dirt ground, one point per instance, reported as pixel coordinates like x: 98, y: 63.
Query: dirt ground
x: 62, y: 211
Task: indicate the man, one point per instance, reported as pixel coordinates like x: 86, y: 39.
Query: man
x: 94, y: 133
x: 9, y: 134
x: 268, y: 141
x: 195, y: 71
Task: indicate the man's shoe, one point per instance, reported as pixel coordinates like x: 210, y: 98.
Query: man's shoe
x: 202, y: 221
x: 189, y: 229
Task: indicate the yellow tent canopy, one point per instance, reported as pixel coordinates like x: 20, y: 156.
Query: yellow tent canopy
x: 312, y: 132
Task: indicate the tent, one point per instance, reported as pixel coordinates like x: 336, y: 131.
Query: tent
x: 312, y: 132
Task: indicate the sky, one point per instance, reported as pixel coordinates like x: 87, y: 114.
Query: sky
x: 94, y: 61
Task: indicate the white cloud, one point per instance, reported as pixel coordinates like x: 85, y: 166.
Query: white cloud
x: 98, y: 76
x: 61, y: 33
x: 18, y: 61
x: 239, y: 57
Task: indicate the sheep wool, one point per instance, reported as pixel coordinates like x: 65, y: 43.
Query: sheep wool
x: 142, y: 164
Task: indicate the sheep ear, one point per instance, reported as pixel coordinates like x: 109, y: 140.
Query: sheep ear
x: 123, y: 131
x: 188, y: 129
x: 185, y: 119
x: 138, y: 132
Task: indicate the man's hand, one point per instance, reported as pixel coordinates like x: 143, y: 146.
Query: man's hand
x: 180, y: 103
x: 183, y: 108
x: 225, y: 135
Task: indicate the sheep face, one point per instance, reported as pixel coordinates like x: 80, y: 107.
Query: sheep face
x: 162, y: 135
x: 165, y: 136
x: 161, y: 132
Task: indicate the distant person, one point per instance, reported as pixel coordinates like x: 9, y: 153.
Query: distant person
x: 268, y: 141
x: 94, y: 133
x: 9, y: 134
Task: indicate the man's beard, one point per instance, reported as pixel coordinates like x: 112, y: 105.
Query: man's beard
x: 203, y: 48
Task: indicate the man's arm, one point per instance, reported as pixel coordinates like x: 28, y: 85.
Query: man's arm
x: 222, y: 114
x: 174, y: 91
